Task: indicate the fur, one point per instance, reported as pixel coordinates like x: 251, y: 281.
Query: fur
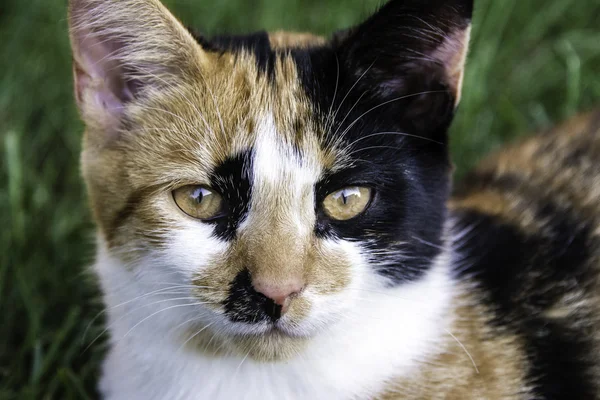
x: 490, y: 293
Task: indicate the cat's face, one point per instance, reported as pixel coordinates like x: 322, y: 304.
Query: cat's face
x: 277, y: 179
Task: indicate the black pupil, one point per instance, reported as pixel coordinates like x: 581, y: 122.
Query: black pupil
x: 198, y: 195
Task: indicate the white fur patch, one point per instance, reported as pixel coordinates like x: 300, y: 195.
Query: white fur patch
x: 279, y: 173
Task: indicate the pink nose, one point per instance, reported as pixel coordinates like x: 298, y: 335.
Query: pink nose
x: 279, y: 293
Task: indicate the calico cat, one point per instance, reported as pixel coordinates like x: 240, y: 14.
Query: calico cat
x: 275, y: 220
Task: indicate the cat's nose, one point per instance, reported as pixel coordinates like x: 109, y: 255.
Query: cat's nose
x: 280, y: 293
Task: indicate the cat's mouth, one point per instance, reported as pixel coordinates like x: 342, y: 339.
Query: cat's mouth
x: 281, y: 329
x: 265, y: 338
x: 275, y: 343
x: 267, y: 342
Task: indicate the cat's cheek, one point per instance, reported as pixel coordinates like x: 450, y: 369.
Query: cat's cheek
x: 193, y: 248
x: 338, y: 286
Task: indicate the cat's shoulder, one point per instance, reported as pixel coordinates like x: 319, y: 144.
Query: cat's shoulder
x: 526, y: 225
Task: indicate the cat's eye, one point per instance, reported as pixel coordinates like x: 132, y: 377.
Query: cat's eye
x: 347, y: 203
x: 199, y: 202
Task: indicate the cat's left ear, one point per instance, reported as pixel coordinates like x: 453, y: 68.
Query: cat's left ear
x: 410, y: 47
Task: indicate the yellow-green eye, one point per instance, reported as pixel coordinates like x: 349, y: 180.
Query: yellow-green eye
x: 347, y: 203
x: 198, y: 201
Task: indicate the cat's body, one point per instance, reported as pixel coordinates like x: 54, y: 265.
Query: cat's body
x: 530, y: 214
x: 279, y: 290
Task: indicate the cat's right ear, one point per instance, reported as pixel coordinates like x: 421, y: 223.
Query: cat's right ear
x: 124, y: 51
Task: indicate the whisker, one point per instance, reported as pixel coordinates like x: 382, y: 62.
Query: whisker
x: 195, y: 318
x: 464, y: 348
x: 372, y: 148
x: 183, y: 285
x: 433, y: 29
x: 348, y: 114
x: 337, y: 81
x: 155, y: 292
x: 195, y: 335
x: 350, y: 145
x: 213, y: 336
x: 240, y: 364
x: 350, y: 90
x: 158, y: 312
x: 435, y: 246
x: 134, y: 310
x: 386, y: 103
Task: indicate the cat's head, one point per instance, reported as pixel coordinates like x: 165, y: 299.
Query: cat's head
x: 278, y: 178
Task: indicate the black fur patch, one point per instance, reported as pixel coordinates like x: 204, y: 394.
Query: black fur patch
x: 255, y: 43
x: 524, y: 275
x: 403, y: 224
x: 233, y: 181
x: 244, y: 304
x: 388, y: 66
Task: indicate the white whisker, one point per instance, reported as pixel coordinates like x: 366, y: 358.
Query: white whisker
x: 167, y: 290
x: 337, y: 81
x: 158, y: 312
x: 386, y: 103
x: 195, y: 335
x: 348, y: 93
x: 136, y: 309
x: 464, y: 348
x: 404, y: 134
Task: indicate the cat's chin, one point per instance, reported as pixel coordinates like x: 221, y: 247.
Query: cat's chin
x: 275, y: 344
x: 270, y: 344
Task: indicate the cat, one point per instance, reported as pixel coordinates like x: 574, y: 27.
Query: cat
x: 275, y: 218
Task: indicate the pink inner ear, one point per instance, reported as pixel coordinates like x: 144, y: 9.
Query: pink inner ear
x: 453, y: 54
x: 100, y: 82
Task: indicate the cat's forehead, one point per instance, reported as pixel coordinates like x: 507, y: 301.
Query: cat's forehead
x: 239, y: 103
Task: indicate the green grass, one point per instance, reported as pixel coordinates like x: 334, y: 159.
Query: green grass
x: 533, y: 63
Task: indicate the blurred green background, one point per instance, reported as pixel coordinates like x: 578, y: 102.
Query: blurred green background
x: 533, y: 63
